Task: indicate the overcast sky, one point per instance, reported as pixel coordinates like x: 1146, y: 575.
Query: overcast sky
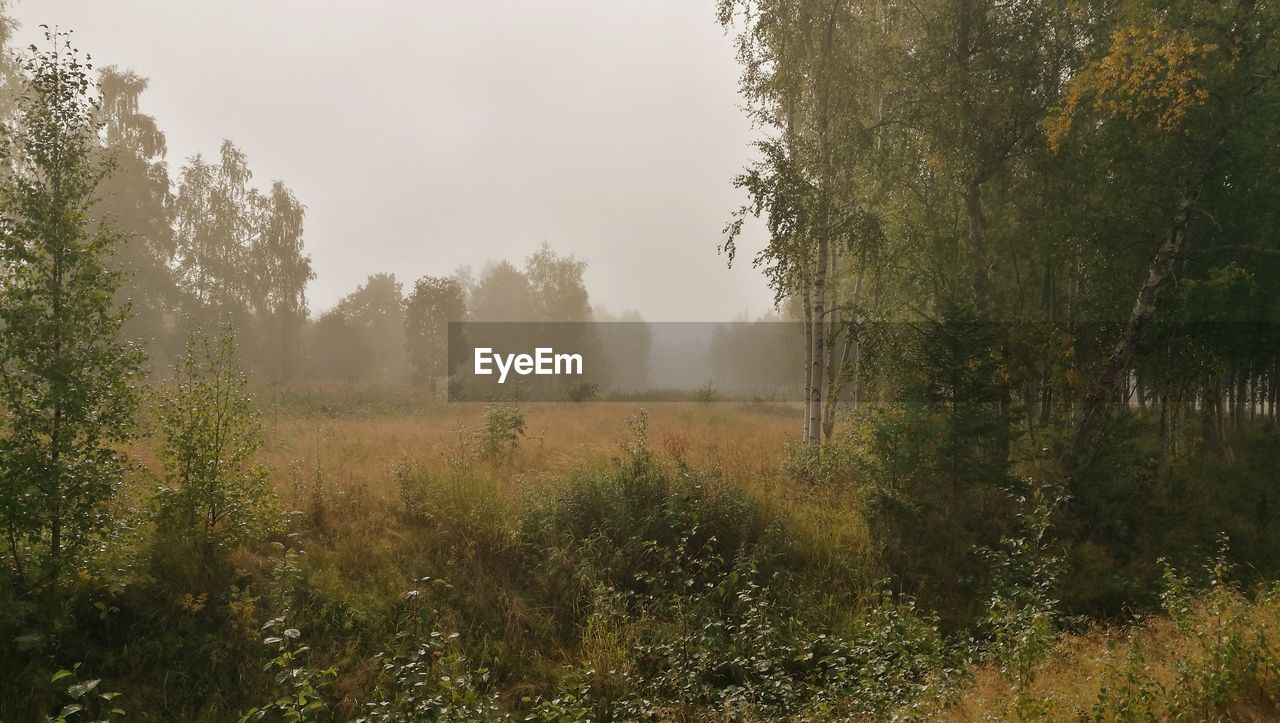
x: 427, y: 134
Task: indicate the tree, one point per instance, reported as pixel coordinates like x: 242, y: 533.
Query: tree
x: 137, y: 200
x: 559, y: 292
x: 280, y: 274
x: 814, y: 76
x: 1205, y: 77
x: 338, y: 349
x: 66, y: 379
x: 434, y: 302
x: 502, y: 293
x: 210, y: 432
x: 376, y: 310
x: 239, y: 258
x: 215, y: 229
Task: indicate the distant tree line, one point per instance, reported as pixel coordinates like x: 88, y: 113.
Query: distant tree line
x: 205, y: 247
x: 381, y: 333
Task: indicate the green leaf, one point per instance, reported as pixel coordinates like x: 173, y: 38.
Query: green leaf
x: 60, y: 675
x: 70, y: 709
x: 79, y: 689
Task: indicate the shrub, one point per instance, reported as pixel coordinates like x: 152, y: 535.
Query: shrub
x: 301, y: 686
x: 209, y: 434
x: 503, y: 427
x: 585, y: 392
x: 425, y: 676
x: 1022, y: 611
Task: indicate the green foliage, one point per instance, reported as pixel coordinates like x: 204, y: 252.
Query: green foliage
x: 1129, y: 510
x: 837, y: 463
x: 730, y: 647
x: 1227, y: 671
x: 425, y: 677
x: 936, y: 462
x: 705, y: 394
x: 210, y: 433
x: 301, y: 686
x: 363, y: 337
x: 503, y: 427
x: 85, y: 702
x: 1023, y: 610
x: 693, y: 616
x: 433, y: 303
x: 66, y: 380
x: 137, y: 199
x: 238, y: 256
x: 585, y: 392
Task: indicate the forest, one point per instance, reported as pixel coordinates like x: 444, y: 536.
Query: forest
x: 1025, y: 265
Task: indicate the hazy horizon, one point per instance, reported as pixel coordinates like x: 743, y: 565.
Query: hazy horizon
x: 423, y: 137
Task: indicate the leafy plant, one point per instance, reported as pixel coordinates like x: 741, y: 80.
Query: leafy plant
x: 1023, y: 608
x: 209, y: 434
x: 302, y: 696
x: 705, y: 394
x: 85, y: 701
x: 504, y: 425
x: 585, y: 392
x: 426, y: 677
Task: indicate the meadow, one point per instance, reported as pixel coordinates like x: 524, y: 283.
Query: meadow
x: 604, y: 561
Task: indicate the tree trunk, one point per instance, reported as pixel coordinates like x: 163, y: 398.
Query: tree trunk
x: 823, y: 260
x: 1161, y: 268
x: 837, y: 374
x: 809, y: 432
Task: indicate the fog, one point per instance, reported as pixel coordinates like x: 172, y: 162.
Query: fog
x: 427, y: 135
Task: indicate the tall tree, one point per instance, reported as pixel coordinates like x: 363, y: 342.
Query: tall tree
x: 560, y: 294
x: 136, y: 199
x: 376, y: 310
x: 433, y: 303
x: 215, y: 225
x: 65, y: 376
x: 502, y: 293
x: 808, y: 80
x: 280, y: 274
x: 240, y: 259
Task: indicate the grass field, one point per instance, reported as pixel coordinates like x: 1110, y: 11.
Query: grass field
x: 662, y: 562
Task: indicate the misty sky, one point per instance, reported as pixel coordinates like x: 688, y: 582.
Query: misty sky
x: 423, y: 135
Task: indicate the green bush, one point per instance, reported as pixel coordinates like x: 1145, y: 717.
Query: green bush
x: 503, y: 427
x: 209, y: 434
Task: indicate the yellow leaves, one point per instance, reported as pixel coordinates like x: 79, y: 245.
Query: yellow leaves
x: 1154, y: 72
x: 193, y: 603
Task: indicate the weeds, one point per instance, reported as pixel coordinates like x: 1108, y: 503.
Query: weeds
x: 300, y: 686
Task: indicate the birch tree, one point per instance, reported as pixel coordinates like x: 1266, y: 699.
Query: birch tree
x: 66, y: 380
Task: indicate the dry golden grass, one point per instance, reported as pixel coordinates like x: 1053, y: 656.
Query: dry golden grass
x: 352, y: 453
x: 1227, y: 644
x: 343, y: 465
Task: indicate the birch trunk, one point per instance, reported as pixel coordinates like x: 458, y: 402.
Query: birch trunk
x: 823, y: 260
x: 1097, y: 401
x: 809, y: 432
